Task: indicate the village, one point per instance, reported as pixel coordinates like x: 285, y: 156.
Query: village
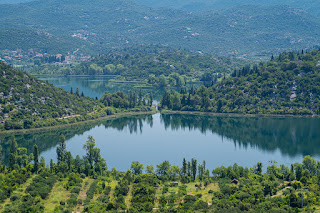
x: 37, y: 57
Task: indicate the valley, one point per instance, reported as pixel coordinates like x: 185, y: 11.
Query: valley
x: 159, y: 106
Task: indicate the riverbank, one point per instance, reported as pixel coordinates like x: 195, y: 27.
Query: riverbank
x: 236, y: 115
x: 109, y: 117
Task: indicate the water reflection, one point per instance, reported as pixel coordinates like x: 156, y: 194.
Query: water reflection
x: 152, y: 139
x: 96, y: 86
x: 293, y: 136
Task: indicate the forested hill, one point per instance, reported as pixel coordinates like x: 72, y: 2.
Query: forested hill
x: 28, y: 102
x: 95, y: 26
x: 160, y: 68
x: 288, y: 84
x: 311, y: 6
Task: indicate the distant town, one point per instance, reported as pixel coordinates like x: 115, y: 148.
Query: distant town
x: 38, y: 58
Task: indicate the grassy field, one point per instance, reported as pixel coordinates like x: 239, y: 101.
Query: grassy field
x: 58, y: 193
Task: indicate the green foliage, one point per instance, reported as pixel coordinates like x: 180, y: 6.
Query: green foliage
x: 161, y: 68
x: 34, y: 103
x: 41, y: 185
x: 252, y: 29
x: 288, y: 84
x: 91, y: 191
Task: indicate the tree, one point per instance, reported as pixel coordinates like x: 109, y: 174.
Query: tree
x: 184, y: 167
x: 150, y: 169
x: 162, y: 169
x: 194, y: 168
x: 0, y: 155
x: 136, y: 167
x: 150, y: 99
x: 78, y: 163
x: 42, y: 162
x: 68, y: 159
x: 77, y: 92
x: 61, y: 149
x: 71, y: 91
x: 51, y: 165
x: 259, y: 168
x: 92, y: 153
x: 13, y: 153
x: 174, y: 172
x: 189, y: 169
x: 35, y: 158
x: 310, y: 164
x: 204, y: 164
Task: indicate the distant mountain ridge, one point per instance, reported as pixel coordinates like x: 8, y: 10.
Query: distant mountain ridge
x: 100, y: 25
x: 311, y: 6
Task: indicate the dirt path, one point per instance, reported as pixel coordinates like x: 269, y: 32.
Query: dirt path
x: 129, y: 197
x: 158, y: 194
x: 83, y: 194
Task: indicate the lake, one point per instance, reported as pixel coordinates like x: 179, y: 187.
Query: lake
x: 151, y: 139
x: 96, y: 86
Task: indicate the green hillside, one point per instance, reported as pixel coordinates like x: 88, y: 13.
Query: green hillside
x: 103, y: 25
x: 161, y: 68
x: 28, y: 102
x: 26, y: 38
x: 311, y: 6
x: 288, y: 84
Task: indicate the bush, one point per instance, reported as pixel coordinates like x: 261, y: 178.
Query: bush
x: 76, y: 190
x: 14, y: 197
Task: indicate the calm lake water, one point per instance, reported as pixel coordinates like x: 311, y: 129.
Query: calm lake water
x: 151, y: 139
x: 96, y: 86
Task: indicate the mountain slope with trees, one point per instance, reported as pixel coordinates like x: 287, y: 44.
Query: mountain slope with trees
x: 161, y: 68
x: 26, y: 102
x: 102, y: 25
x: 289, y: 84
x: 311, y: 6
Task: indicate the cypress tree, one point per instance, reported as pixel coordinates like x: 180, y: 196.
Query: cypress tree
x: 77, y: 91
x: 51, y: 165
x: 13, y: 152
x: 194, y: 168
x: 184, y: 167
x: 61, y: 149
x: 35, y: 158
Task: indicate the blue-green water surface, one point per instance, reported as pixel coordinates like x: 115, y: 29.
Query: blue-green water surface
x: 151, y: 139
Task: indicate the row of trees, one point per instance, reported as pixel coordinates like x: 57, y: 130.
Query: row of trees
x: 121, y: 100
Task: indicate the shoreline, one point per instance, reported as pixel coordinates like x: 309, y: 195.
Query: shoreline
x: 125, y: 114
x: 236, y: 115
x: 43, y: 129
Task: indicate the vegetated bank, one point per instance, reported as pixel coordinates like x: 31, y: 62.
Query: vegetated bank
x: 86, y: 184
x: 288, y: 84
x: 28, y: 103
x: 152, y: 66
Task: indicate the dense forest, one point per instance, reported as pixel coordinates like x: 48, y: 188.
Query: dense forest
x: 287, y: 84
x: 310, y: 6
x: 27, y: 102
x: 86, y: 184
x: 92, y: 28
x: 162, y: 68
